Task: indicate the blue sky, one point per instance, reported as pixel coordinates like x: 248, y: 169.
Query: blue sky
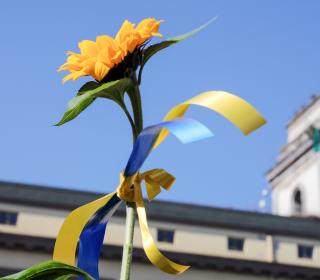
x: 267, y: 52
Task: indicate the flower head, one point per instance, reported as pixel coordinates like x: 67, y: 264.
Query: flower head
x: 98, y: 58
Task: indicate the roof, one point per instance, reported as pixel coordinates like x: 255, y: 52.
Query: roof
x: 182, y: 213
x: 288, y: 159
x: 303, y: 109
x: 40, y: 244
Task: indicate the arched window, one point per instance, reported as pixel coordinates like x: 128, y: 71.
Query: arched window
x: 297, y: 202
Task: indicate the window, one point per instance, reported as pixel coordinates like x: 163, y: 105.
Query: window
x: 165, y: 235
x: 8, y: 218
x: 297, y: 202
x: 305, y: 251
x: 235, y: 244
x: 261, y: 237
x: 276, y: 245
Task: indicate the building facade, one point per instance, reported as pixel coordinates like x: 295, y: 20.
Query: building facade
x: 218, y: 243
x: 295, y: 178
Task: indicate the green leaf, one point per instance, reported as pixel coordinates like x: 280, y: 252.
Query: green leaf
x: 88, y: 86
x: 90, y: 91
x: 153, y: 49
x: 50, y: 270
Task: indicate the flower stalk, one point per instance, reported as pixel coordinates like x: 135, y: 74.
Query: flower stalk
x: 128, y: 243
x: 135, y: 98
x: 112, y: 62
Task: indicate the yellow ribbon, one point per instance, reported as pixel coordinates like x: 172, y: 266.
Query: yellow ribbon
x: 130, y: 190
x: 235, y: 109
x: 70, y: 231
x: 232, y: 107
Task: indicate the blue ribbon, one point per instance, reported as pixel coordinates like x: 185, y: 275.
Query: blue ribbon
x: 91, y: 239
x: 185, y: 129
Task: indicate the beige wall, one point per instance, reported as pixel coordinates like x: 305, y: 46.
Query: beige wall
x: 44, y: 222
x: 286, y: 251
x: 110, y: 269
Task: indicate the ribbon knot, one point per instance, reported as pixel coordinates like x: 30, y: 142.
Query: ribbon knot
x: 130, y: 187
x: 130, y: 191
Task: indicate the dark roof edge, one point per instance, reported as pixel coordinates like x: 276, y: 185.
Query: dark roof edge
x: 64, y: 205
x: 182, y: 213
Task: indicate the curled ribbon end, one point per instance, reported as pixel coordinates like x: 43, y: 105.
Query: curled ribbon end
x: 177, y: 269
x: 184, y: 268
x: 259, y: 123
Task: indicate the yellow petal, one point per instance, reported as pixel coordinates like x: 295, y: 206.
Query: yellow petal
x: 88, y: 65
x: 104, y: 57
x: 133, y: 42
x: 110, y: 57
x: 96, y: 58
x: 71, y: 76
x: 117, y: 56
x: 104, y: 41
x: 126, y: 29
x: 88, y: 48
x: 74, y: 67
x: 78, y: 74
x: 100, y: 70
x: 110, y: 52
x: 147, y: 28
x: 63, y: 67
x: 71, y: 60
x: 76, y: 55
x: 156, y: 34
x: 74, y: 58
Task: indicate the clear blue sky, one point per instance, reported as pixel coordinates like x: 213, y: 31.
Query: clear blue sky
x: 267, y: 52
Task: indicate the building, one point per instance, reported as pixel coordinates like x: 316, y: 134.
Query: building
x: 295, y: 178
x: 218, y: 243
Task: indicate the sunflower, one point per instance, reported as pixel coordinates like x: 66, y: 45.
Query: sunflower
x: 107, y: 58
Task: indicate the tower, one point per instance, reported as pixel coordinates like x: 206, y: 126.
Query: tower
x: 295, y: 178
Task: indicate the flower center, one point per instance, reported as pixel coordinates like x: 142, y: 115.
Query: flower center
x: 125, y: 68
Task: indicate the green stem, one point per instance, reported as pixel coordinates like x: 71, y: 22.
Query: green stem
x: 128, y: 244
x: 135, y: 99
x: 133, y: 126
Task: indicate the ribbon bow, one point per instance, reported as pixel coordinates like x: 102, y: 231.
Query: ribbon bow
x: 130, y: 187
x: 85, y: 226
x: 130, y: 191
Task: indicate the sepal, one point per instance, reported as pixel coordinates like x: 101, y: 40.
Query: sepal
x: 90, y: 91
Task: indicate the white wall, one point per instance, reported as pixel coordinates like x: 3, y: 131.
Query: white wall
x: 306, y: 178
x: 309, y: 117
